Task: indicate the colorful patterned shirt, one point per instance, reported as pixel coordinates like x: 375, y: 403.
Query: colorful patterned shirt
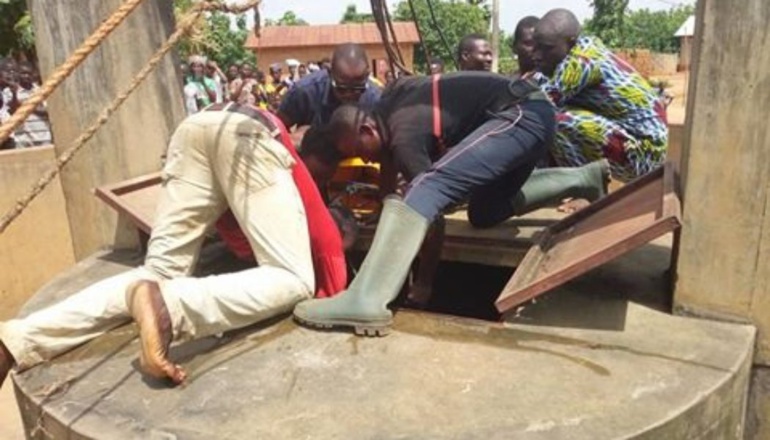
x: 593, y: 78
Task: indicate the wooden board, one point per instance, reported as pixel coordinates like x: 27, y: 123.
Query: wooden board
x: 626, y: 219
x: 136, y: 198
x: 503, y: 245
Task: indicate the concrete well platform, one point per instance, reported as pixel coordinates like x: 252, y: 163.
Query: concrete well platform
x: 622, y: 371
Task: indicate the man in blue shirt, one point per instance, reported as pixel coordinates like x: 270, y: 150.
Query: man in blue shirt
x: 314, y: 98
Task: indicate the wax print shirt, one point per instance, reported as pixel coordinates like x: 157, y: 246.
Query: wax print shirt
x: 311, y: 101
x: 593, y: 78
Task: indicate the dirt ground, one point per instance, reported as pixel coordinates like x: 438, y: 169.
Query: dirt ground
x: 10, y: 421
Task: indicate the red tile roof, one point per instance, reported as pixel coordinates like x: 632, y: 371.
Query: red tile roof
x: 328, y: 35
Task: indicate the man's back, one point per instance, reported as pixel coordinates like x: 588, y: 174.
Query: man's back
x: 595, y: 79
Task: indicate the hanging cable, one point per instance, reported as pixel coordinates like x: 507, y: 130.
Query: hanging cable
x: 441, y: 34
x: 425, y: 50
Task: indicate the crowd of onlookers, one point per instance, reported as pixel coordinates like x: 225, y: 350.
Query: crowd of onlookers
x: 18, y: 81
x: 206, y: 83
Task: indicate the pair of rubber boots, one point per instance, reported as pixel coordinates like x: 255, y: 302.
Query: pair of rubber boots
x: 399, y: 235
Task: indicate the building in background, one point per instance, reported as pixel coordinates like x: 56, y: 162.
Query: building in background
x: 686, y: 34
x: 313, y: 43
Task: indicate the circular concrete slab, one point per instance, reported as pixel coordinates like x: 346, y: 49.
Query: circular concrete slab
x: 652, y: 376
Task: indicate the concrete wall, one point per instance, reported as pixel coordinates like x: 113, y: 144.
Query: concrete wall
x: 135, y: 137
x: 268, y: 56
x: 37, y: 245
x: 724, y: 258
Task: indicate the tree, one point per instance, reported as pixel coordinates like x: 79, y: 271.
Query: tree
x: 352, y: 15
x: 16, y: 34
x: 607, y: 21
x: 646, y: 29
x: 214, y: 36
x: 455, y: 18
x: 289, y: 19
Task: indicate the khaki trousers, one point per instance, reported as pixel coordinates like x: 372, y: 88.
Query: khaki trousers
x: 215, y: 160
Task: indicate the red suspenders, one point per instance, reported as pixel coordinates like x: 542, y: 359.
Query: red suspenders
x: 437, y: 132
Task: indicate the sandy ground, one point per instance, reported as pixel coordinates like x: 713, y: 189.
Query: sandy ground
x: 10, y: 421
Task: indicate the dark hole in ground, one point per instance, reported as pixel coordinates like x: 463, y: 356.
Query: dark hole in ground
x: 469, y: 290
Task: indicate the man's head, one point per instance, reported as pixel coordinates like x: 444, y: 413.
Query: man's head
x: 9, y: 72
x: 474, y: 53
x: 275, y: 72
x: 26, y: 74
x: 436, y: 65
x: 233, y: 72
x: 247, y: 71
x: 555, y: 35
x: 524, y: 43
x: 197, y: 66
x: 354, y: 133
x: 302, y: 70
x: 325, y: 64
x: 349, y: 72
x: 211, y: 68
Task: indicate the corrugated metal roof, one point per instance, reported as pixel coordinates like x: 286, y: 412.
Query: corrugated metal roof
x: 687, y: 29
x: 328, y: 35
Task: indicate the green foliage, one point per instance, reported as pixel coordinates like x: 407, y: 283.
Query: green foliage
x: 352, y: 15
x: 607, y: 21
x: 214, y: 36
x: 289, y: 19
x: 646, y: 29
x: 16, y: 33
x: 456, y: 19
x: 640, y: 29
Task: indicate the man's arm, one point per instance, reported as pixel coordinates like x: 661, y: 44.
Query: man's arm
x: 573, y: 75
x: 296, y: 108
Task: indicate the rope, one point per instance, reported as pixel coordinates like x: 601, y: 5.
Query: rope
x: 182, y: 28
x: 65, y: 69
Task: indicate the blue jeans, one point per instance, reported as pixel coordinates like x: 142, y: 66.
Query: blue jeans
x: 489, y: 166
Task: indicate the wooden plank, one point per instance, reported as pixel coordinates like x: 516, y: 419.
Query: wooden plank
x: 626, y: 219
x: 504, y: 245
x: 135, y: 198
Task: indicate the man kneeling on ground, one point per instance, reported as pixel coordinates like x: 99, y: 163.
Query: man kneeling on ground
x: 230, y: 156
x: 495, y: 131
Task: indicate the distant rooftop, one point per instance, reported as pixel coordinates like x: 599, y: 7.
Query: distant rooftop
x: 328, y: 35
x: 687, y: 29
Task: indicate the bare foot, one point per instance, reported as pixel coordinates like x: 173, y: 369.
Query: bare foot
x: 572, y: 205
x: 148, y: 309
x: 6, y: 363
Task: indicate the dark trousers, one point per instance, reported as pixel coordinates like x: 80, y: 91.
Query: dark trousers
x: 489, y: 166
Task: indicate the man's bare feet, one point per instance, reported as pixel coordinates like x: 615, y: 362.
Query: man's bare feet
x: 572, y: 205
x: 148, y: 309
x: 6, y: 363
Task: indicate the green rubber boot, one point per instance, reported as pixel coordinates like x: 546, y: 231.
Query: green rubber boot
x: 363, y: 305
x: 549, y: 186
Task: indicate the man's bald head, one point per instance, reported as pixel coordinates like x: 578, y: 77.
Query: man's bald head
x: 555, y: 35
x: 349, y: 54
x: 349, y: 72
x: 560, y: 22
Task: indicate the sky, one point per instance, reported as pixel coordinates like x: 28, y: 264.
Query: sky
x: 330, y: 11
